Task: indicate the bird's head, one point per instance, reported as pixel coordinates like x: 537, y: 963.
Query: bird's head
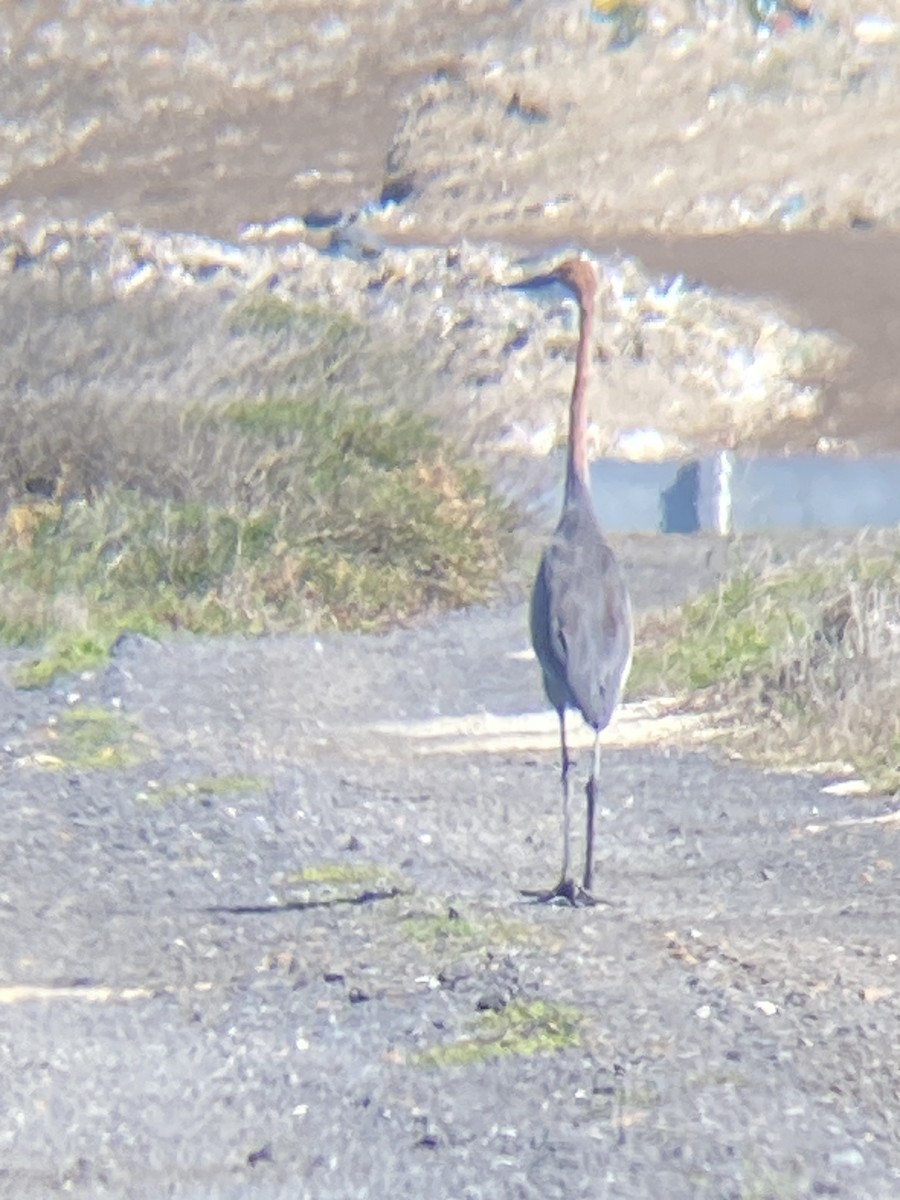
x: 576, y: 275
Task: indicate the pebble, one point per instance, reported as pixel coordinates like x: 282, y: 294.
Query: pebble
x: 332, y: 29
x: 848, y: 787
x: 874, y: 30
x: 850, y: 1156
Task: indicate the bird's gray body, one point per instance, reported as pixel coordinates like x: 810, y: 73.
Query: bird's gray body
x: 581, y: 617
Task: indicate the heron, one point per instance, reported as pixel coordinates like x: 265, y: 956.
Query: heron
x: 581, y: 625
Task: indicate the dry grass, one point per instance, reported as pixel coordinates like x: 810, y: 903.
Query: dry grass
x: 808, y: 655
x: 301, y: 484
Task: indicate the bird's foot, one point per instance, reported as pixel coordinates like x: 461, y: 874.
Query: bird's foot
x: 566, y: 893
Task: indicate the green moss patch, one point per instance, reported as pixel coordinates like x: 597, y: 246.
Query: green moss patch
x: 523, y: 1028
x: 338, y: 881
x: 92, y: 739
x: 204, y: 786
x: 460, y: 934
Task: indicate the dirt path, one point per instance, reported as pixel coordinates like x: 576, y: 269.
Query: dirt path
x: 247, y: 965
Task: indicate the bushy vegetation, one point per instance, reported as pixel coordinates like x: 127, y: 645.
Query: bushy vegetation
x: 807, y: 656
x: 321, y: 501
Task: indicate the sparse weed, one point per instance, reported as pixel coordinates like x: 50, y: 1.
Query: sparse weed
x: 523, y: 1028
x: 328, y: 882
x: 810, y: 653
x: 94, y: 738
x: 439, y: 930
x: 335, y: 874
x: 205, y: 786
x: 264, y: 314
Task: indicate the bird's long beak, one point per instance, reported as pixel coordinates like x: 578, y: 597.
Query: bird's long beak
x: 533, y: 282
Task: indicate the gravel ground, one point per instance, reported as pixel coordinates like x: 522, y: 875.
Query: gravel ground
x: 184, y: 1013
x: 183, y: 1017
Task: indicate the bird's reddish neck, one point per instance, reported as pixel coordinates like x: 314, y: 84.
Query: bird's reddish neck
x: 577, y: 465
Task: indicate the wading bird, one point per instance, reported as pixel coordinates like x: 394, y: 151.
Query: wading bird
x: 581, y: 624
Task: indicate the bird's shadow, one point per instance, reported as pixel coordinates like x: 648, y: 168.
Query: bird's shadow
x: 266, y: 910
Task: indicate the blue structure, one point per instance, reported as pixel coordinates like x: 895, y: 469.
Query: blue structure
x: 724, y: 493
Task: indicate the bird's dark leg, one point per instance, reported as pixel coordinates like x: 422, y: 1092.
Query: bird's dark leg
x: 566, y: 890
x: 565, y: 779
x: 593, y: 787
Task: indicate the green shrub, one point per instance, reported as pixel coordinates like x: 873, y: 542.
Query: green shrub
x: 305, y: 508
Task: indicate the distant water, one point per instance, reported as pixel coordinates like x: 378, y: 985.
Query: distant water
x: 725, y: 493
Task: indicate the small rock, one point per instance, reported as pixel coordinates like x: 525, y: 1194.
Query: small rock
x: 491, y: 1002
x: 332, y: 29
x: 871, y: 995
x: 850, y: 1156
x: 873, y: 30
x: 263, y: 1154
x: 847, y: 787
